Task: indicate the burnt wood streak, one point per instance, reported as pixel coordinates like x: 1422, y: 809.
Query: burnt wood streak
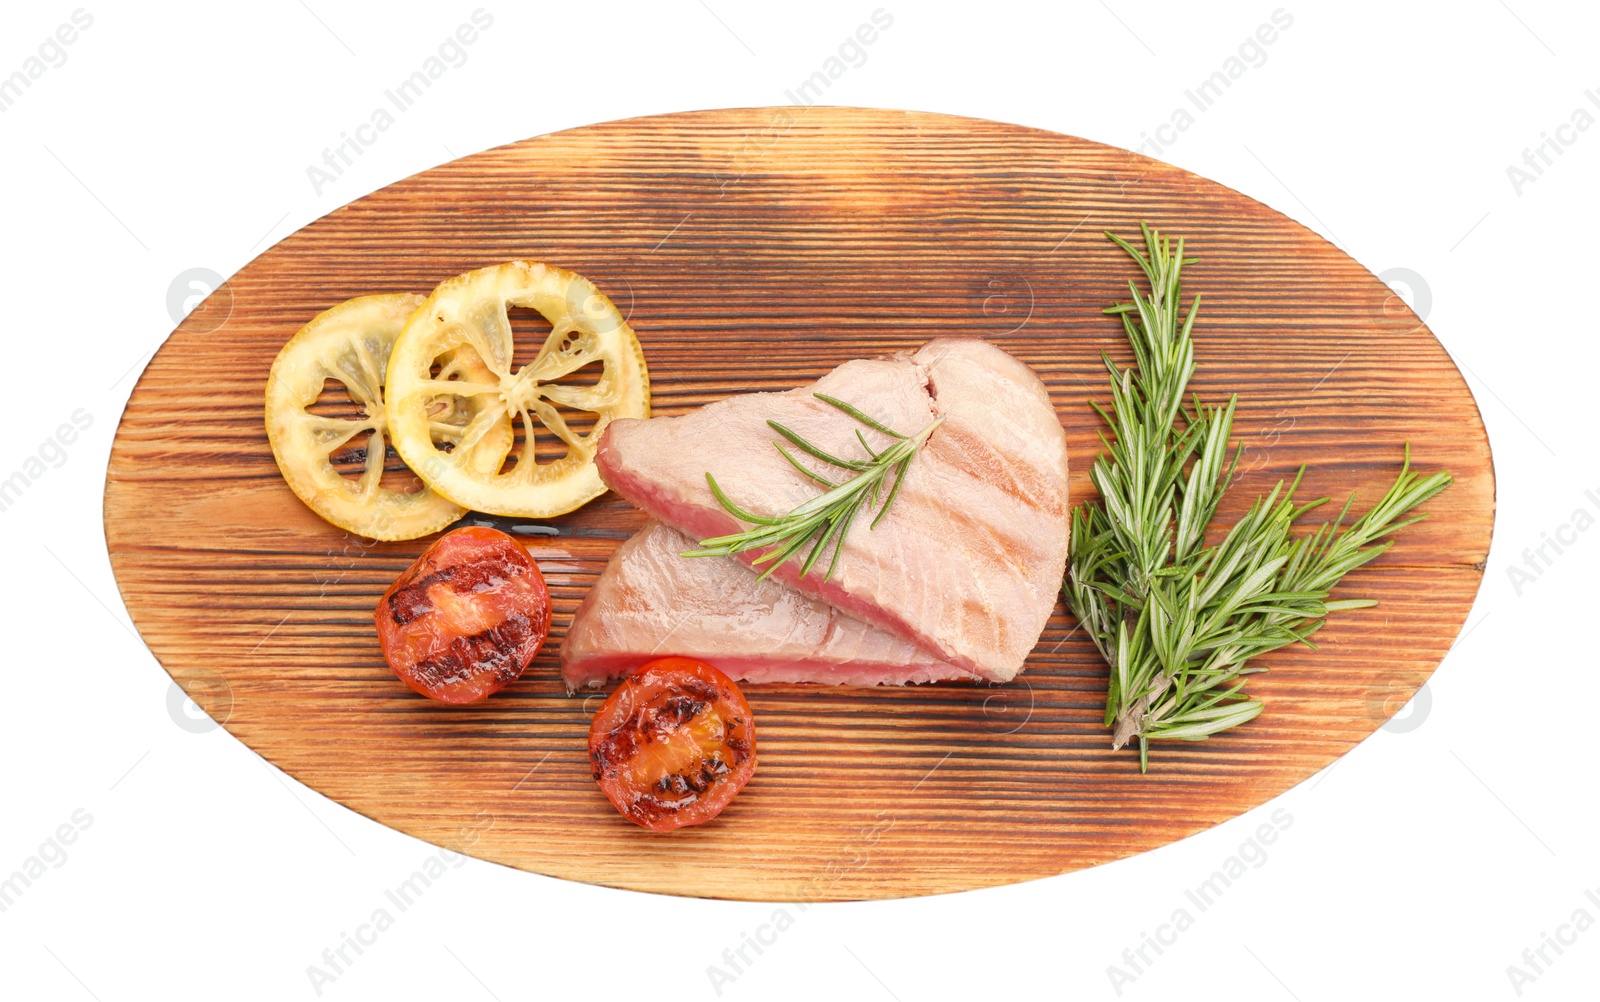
x: 754, y: 250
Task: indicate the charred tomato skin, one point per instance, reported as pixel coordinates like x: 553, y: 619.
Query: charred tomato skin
x: 466, y: 618
x: 674, y: 744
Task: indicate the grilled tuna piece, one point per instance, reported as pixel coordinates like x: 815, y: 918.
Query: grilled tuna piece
x: 968, y: 563
x: 650, y: 602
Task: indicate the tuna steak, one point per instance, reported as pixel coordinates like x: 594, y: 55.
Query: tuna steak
x: 968, y: 563
x: 651, y: 602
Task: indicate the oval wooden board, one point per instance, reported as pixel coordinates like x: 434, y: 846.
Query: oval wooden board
x: 755, y: 250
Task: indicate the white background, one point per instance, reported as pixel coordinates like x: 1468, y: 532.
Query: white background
x: 178, y: 136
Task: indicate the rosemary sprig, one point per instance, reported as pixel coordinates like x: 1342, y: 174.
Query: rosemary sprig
x: 1180, y: 622
x: 826, y: 518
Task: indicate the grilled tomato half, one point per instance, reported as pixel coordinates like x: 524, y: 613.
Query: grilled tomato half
x: 674, y: 744
x: 466, y: 618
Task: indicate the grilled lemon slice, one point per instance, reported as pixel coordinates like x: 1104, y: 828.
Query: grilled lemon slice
x: 351, y: 343
x: 466, y: 319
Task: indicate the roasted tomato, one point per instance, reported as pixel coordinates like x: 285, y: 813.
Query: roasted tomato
x: 674, y: 744
x: 466, y: 618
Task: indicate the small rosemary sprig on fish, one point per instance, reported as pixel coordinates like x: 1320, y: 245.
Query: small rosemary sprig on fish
x: 826, y: 518
x: 1179, y: 622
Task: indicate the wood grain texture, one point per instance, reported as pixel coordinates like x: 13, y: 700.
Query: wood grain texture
x: 755, y: 250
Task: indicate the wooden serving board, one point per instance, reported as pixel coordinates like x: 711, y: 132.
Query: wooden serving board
x: 755, y: 250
